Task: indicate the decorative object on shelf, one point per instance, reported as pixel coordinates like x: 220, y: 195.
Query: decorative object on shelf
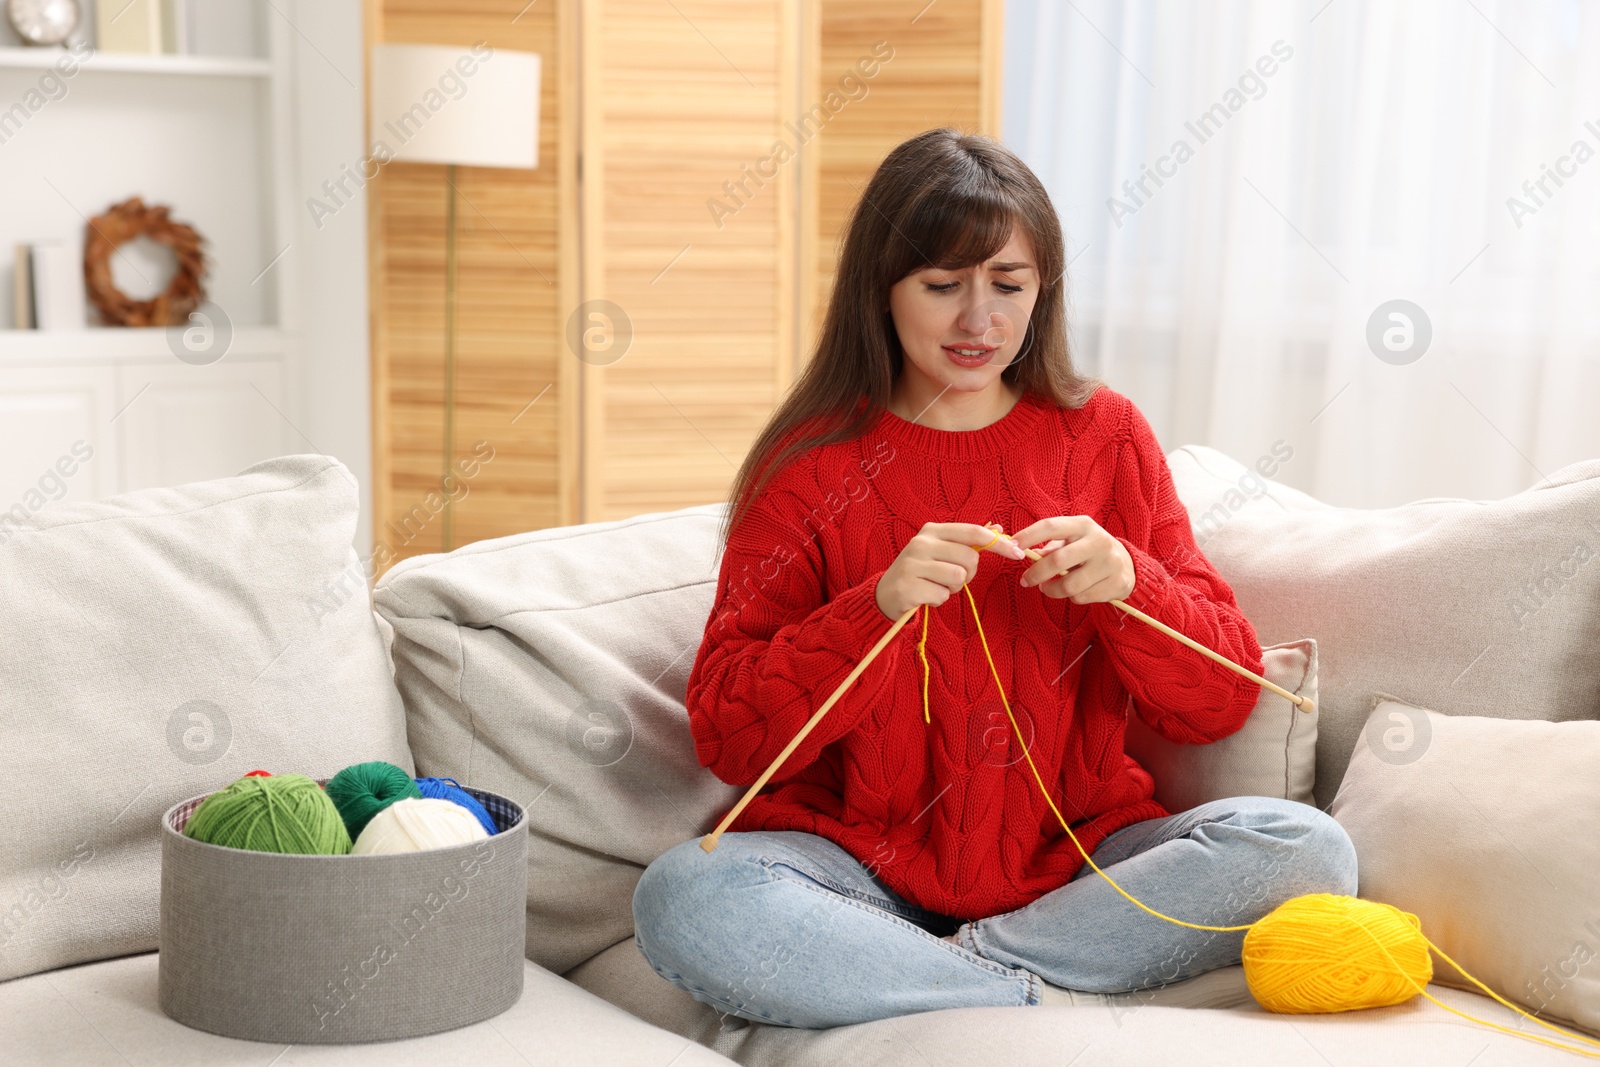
x: 129, y: 26
x: 123, y: 222
x: 43, y: 22
x: 493, y: 122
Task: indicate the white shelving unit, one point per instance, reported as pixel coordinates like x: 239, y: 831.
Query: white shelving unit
x: 227, y: 66
x: 124, y: 345
x: 211, y: 135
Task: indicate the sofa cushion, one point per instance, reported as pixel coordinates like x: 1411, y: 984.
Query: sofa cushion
x: 158, y: 645
x: 1485, y: 830
x: 1417, y: 1033
x: 1274, y: 754
x: 551, y: 667
x: 1467, y: 607
x: 108, y: 1013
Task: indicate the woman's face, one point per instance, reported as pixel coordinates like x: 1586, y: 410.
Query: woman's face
x: 941, y: 314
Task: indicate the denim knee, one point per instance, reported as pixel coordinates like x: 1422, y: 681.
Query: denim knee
x: 1331, y: 852
x: 674, y: 889
x: 681, y: 925
x: 1324, y: 858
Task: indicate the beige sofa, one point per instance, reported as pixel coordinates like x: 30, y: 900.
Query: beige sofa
x: 551, y: 666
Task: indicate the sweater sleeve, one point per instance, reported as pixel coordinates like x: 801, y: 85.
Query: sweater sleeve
x: 775, y: 647
x: 1184, y: 696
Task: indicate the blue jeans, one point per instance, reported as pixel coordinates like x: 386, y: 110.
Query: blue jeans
x: 786, y: 927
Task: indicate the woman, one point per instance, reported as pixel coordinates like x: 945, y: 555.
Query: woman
x: 903, y: 858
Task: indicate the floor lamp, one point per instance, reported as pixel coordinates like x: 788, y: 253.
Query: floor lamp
x: 463, y: 107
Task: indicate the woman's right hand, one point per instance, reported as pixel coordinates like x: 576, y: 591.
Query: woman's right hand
x: 935, y: 564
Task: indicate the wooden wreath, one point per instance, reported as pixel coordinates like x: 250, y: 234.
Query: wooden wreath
x: 121, y: 223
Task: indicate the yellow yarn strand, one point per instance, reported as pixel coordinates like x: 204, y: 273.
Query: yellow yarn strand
x: 1279, y: 945
x: 1473, y: 1018
x: 922, y: 649
x: 1045, y: 792
x: 922, y: 645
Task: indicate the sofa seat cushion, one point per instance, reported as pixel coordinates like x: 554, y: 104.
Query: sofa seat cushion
x: 1417, y: 1033
x: 107, y: 1013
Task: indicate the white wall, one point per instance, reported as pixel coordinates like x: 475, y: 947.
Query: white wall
x: 331, y: 261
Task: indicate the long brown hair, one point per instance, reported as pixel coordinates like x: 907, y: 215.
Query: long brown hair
x: 940, y: 199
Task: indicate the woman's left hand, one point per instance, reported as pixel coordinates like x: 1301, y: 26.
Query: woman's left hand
x: 1082, y: 562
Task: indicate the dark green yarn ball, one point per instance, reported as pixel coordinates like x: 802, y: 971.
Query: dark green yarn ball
x: 363, y: 790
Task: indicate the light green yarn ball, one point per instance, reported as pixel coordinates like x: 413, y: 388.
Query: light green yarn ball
x: 284, y: 813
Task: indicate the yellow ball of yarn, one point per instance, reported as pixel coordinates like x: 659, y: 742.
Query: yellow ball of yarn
x: 1324, y: 952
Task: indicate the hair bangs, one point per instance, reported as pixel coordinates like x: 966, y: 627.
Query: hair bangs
x: 957, y: 227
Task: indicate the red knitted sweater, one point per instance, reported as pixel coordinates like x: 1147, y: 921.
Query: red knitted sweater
x: 947, y: 813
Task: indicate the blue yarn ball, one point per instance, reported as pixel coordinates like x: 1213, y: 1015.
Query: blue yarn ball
x: 450, y: 789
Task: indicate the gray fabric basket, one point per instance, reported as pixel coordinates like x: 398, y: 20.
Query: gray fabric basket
x: 341, y: 949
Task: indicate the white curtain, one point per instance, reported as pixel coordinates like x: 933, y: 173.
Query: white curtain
x: 1341, y: 154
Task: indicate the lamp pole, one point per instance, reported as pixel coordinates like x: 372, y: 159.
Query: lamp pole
x: 494, y: 125
x: 449, y: 349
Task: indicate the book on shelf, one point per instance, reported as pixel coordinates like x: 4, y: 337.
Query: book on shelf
x: 177, y: 26
x: 47, y: 287
x: 149, y: 27
x: 134, y: 26
x: 22, y: 288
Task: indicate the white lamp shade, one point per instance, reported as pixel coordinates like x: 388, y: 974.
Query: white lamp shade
x: 477, y: 106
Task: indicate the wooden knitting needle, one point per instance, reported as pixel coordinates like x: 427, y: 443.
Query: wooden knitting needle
x: 709, y: 841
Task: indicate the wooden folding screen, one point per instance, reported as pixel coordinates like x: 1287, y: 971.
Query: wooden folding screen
x: 697, y: 161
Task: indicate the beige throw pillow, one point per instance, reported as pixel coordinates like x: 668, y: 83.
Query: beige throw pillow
x: 1471, y: 607
x: 1274, y: 754
x: 157, y: 645
x: 1488, y: 830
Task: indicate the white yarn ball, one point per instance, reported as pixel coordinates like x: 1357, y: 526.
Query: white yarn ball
x: 413, y: 825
